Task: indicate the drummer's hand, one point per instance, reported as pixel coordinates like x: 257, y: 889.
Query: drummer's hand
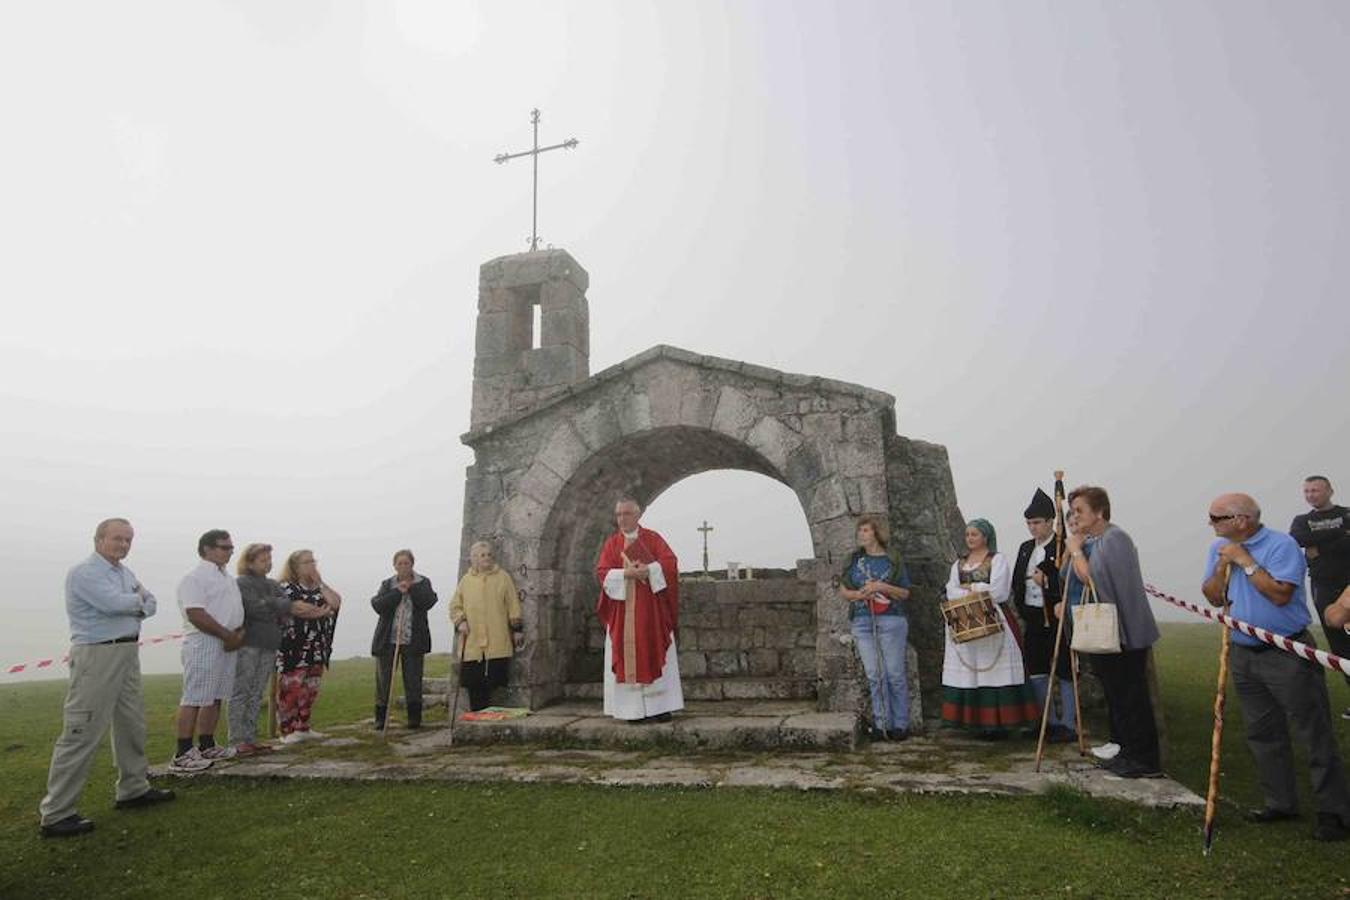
x: 874, y: 587
x: 1039, y: 577
x: 1075, y: 542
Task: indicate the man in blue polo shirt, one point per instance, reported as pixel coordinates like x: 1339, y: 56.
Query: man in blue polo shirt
x: 1260, y: 573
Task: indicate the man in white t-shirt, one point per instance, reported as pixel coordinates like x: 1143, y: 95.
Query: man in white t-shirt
x: 213, y: 616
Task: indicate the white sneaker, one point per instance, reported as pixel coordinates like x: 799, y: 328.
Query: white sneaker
x: 1106, y: 751
x: 313, y: 735
x: 218, y: 752
x: 189, y: 763
x: 294, y: 737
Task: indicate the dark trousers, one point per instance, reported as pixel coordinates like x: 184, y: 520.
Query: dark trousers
x: 1277, y: 691
x: 411, y: 664
x: 1324, y: 594
x: 1124, y: 678
x: 479, y: 677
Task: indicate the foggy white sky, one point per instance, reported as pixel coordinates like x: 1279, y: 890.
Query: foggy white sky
x: 241, y: 244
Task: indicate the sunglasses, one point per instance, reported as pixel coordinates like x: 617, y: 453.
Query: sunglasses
x: 229, y: 547
x: 1215, y: 520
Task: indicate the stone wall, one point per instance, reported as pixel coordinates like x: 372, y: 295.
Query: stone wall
x: 738, y: 629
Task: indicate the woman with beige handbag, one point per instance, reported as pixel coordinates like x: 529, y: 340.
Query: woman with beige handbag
x: 1114, y: 627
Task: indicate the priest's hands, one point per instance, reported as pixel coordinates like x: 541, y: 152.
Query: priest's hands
x: 632, y: 570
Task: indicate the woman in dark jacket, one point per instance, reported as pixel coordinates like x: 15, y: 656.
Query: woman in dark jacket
x: 402, y: 603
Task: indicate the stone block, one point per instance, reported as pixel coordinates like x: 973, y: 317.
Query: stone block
x: 540, y: 483
x: 799, y: 662
x: 828, y: 501
x: 552, y: 366
x: 666, y: 386
x: 823, y: 426
x: 725, y: 662
x: 735, y: 414
x: 835, y: 536
x: 810, y: 462
x: 634, y: 412
x: 498, y: 333
x: 524, y: 517
x: 564, y: 328
x: 563, y: 451
x: 692, y: 664
x: 597, y: 424
x: 698, y: 405
x: 765, y: 662
x: 774, y: 441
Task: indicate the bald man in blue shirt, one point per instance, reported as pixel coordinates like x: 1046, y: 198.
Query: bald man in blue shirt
x: 1260, y: 573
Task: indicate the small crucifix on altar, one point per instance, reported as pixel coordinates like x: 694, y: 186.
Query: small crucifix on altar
x: 568, y: 144
x: 705, y: 529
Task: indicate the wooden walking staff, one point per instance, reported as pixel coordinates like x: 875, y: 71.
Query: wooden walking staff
x: 1216, y: 740
x: 454, y: 703
x: 1051, y: 686
x: 393, y: 667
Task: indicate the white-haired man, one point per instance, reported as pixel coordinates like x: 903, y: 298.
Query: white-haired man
x: 106, y: 604
x: 639, y: 608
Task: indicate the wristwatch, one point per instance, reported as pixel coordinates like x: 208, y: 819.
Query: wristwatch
x: 1249, y: 571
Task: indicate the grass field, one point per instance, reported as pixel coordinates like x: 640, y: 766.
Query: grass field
x: 231, y: 838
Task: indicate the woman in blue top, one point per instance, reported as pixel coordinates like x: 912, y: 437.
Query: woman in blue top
x: 874, y: 582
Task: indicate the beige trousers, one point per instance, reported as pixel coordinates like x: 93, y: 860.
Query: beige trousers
x: 105, y: 689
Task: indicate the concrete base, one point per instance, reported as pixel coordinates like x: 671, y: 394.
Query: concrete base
x: 702, y: 725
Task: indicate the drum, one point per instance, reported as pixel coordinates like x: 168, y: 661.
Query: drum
x: 972, y: 617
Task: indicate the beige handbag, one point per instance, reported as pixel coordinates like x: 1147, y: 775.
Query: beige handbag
x: 1095, y: 627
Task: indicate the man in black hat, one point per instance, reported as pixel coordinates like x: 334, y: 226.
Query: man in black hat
x: 1035, y: 588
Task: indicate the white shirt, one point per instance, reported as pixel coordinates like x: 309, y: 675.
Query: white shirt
x: 209, y: 587
x: 1036, y: 596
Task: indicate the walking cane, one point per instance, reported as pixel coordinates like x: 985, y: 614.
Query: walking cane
x: 885, y: 682
x: 389, y: 695
x: 454, y: 704
x: 1051, y: 682
x: 272, y: 706
x: 1216, y: 740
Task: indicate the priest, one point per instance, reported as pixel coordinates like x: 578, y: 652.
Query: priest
x: 639, y: 609
x: 1036, y: 578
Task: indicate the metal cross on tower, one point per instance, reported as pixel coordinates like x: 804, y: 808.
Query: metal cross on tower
x: 705, y: 529
x: 568, y: 144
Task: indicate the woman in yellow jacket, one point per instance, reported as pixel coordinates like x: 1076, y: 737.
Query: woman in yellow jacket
x: 485, y: 614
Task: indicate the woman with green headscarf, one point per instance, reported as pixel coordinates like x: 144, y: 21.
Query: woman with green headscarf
x: 984, y: 686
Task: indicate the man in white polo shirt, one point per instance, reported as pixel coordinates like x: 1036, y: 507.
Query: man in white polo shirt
x: 213, y: 616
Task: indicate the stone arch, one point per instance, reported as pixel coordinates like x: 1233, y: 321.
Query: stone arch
x: 553, y: 447
x: 643, y: 465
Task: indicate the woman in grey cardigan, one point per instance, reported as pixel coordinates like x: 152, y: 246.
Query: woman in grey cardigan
x: 266, y: 610
x: 1105, y: 554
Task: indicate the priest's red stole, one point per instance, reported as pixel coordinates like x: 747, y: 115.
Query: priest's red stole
x: 641, y: 627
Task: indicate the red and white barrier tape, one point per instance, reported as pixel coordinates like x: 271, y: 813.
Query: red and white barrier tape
x: 48, y: 663
x: 1321, y: 657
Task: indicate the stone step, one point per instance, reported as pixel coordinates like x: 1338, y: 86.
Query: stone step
x: 706, y: 726
x: 716, y: 689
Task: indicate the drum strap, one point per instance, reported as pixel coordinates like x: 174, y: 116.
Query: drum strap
x: 956, y: 648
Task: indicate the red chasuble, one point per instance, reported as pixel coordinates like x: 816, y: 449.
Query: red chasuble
x: 655, y: 616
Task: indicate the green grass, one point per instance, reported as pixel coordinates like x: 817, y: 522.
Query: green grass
x: 228, y: 838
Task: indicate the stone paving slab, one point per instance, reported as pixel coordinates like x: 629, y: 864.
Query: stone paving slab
x: 925, y: 765
x: 702, y: 725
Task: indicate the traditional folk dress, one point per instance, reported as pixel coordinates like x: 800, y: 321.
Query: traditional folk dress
x: 642, y: 674
x: 983, y: 683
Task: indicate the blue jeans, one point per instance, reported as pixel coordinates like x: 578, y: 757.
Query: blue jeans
x: 890, y: 691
